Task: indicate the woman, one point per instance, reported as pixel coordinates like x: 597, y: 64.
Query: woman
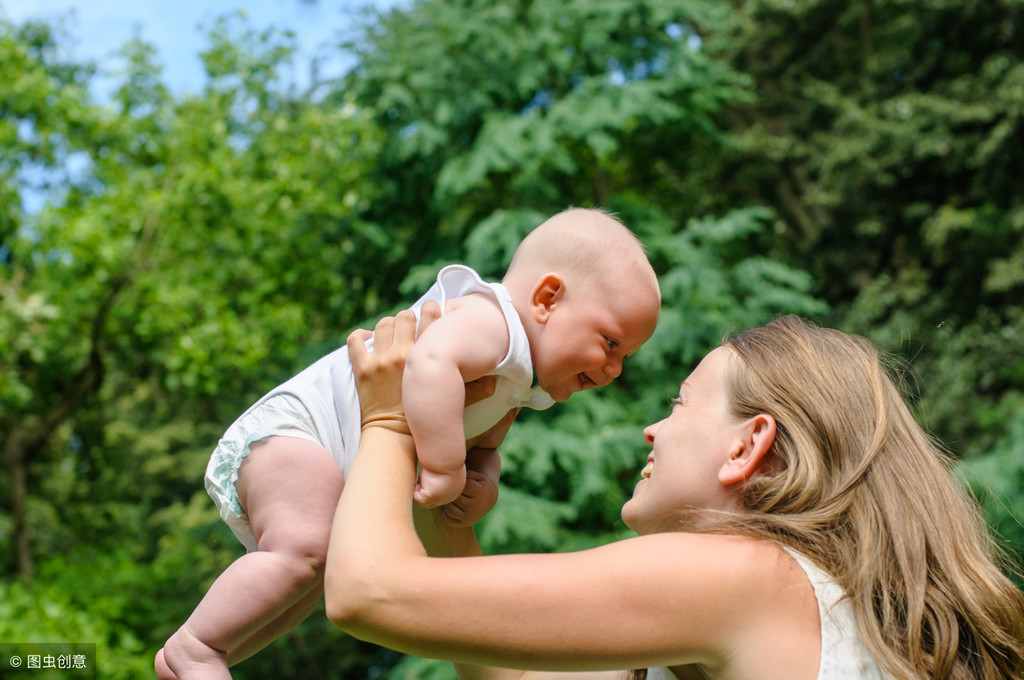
x: 789, y: 473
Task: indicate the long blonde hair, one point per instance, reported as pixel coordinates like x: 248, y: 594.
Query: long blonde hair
x: 855, y: 484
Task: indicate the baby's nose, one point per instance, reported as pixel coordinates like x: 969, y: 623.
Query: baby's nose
x: 613, y: 368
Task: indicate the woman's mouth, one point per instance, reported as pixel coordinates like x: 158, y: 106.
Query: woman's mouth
x: 646, y: 472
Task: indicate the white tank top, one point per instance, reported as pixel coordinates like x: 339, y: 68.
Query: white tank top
x: 844, y: 656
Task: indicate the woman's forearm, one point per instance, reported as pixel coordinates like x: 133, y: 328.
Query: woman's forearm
x: 373, y: 522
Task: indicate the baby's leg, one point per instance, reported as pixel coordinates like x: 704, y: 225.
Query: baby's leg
x: 289, y: 488
x: 298, y: 613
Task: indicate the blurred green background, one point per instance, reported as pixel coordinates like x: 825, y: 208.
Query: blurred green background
x: 165, y: 259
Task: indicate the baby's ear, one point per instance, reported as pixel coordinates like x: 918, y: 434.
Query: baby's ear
x: 547, y: 294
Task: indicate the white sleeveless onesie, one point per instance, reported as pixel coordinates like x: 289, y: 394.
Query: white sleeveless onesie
x: 320, y: 403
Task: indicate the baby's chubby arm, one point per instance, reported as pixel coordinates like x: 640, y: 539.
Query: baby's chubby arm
x: 463, y: 345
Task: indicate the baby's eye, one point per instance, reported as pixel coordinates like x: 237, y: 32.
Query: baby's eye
x: 612, y: 344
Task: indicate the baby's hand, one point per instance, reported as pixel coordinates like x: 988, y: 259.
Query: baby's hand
x: 434, y: 488
x: 437, y: 488
x: 483, y: 466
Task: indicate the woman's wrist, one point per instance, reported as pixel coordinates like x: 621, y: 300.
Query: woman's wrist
x: 388, y: 440
x: 391, y: 423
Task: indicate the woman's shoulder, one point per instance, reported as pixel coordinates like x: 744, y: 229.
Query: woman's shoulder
x: 742, y: 553
x: 745, y: 577
x: 757, y: 601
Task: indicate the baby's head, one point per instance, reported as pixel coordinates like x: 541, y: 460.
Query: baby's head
x: 587, y: 296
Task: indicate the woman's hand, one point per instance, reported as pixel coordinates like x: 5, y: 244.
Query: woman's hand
x: 378, y: 374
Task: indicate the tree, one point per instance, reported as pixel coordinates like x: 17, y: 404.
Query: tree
x: 203, y: 249
x: 888, y: 140
x: 191, y: 252
x: 43, y: 378
x: 504, y: 106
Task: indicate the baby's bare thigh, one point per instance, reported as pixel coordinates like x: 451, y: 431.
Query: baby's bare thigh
x: 289, y: 488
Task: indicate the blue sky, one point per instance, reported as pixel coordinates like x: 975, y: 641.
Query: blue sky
x: 99, y: 27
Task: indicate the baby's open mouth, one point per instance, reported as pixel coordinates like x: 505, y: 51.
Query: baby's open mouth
x: 585, y: 381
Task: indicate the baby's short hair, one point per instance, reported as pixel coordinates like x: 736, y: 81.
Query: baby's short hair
x: 582, y: 241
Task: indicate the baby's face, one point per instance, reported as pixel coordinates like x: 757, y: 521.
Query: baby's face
x: 586, y: 339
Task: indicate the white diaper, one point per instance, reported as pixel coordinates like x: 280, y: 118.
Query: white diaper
x: 281, y: 414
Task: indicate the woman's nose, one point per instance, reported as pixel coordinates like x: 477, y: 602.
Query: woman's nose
x: 649, y: 433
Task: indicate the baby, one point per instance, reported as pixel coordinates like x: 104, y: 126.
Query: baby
x: 578, y: 298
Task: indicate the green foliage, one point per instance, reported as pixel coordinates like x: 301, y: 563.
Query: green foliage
x: 205, y: 244
x: 414, y: 668
x: 997, y: 478
x: 888, y: 139
x: 494, y: 108
x: 49, y: 614
x: 42, y: 123
x: 165, y: 259
x: 216, y: 239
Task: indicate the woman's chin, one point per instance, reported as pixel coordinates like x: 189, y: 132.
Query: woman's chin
x: 630, y: 516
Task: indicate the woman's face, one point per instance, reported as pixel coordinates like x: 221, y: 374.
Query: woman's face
x: 688, y: 449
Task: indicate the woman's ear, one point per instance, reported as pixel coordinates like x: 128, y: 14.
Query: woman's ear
x: 755, y: 440
x: 547, y: 294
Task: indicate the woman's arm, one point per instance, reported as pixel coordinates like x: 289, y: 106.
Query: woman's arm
x: 659, y: 600
x: 438, y: 537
